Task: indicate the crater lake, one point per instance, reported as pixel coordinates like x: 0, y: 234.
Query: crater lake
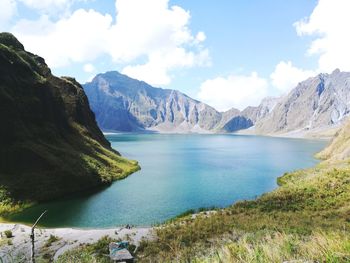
x: 178, y: 173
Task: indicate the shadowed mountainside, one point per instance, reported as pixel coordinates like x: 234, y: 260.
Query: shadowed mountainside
x: 50, y: 143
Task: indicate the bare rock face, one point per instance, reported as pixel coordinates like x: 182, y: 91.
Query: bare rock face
x: 125, y: 104
x: 234, y: 120
x: 257, y: 113
x: 121, y: 103
x: 320, y: 102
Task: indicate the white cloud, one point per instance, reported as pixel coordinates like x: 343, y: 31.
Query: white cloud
x: 149, y: 30
x: 164, y: 43
x: 78, y: 38
x: 7, y: 11
x: 329, y: 22
x: 200, y: 37
x: 155, y: 71
x: 89, y: 68
x: 237, y: 91
x: 286, y: 76
x: 240, y: 91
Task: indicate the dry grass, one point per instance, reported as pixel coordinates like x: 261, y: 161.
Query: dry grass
x: 309, y: 211
x: 280, y: 247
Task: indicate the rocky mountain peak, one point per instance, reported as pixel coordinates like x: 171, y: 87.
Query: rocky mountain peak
x: 317, y: 103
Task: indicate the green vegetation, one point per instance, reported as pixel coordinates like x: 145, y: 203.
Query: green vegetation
x: 50, y: 143
x: 8, y: 233
x: 339, y: 149
x: 279, y: 247
x: 191, y: 212
x: 51, y: 146
x: 97, y: 252
x: 52, y: 239
x: 9, y: 40
x: 306, y: 219
x: 312, y: 204
x: 9, y: 205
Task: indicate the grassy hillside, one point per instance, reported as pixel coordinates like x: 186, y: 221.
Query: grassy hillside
x: 50, y: 143
x: 339, y: 149
x: 312, y: 204
x: 307, y: 219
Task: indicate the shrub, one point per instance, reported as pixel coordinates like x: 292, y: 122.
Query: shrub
x: 8, y: 233
x: 51, y: 240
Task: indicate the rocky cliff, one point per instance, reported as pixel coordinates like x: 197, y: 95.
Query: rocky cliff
x: 318, y: 103
x: 50, y: 142
x: 125, y: 104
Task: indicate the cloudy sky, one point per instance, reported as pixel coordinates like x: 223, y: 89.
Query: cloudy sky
x: 225, y: 53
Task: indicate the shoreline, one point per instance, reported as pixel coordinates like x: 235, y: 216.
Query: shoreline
x: 326, y: 133
x: 290, y: 135
x: 67, y: 239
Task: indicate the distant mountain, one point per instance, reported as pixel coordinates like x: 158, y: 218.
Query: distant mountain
x: 264, y: 109
x: 316, y: 104
x: 121, y: 103
x: 50, y: 142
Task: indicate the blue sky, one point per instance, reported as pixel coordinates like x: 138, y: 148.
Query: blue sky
x: 226, y: 53
x: 245, y: 36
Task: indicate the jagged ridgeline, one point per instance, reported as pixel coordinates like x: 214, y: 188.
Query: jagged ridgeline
x: 50, y: 144
x: 316, y: 107
x: 125, y: 104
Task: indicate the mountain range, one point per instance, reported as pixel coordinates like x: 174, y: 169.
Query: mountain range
x: 317, y: 105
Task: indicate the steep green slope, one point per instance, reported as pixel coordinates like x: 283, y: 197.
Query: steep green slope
x: 50, y: 143
x: 306, y: 218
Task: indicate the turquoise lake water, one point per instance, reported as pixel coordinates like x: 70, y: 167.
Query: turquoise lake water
x: 180, y: 172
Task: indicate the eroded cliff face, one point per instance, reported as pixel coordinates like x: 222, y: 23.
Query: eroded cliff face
x: 50, y: 142
x: 320, y: 102
x: 125, y: 104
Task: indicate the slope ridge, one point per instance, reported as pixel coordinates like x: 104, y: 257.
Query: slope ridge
x: 50, y: 143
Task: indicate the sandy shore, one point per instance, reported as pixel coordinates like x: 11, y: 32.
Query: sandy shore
x: 19, y: 248
x: 319, y: 134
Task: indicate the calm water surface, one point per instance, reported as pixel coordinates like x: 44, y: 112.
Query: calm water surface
x: 181, y: 172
